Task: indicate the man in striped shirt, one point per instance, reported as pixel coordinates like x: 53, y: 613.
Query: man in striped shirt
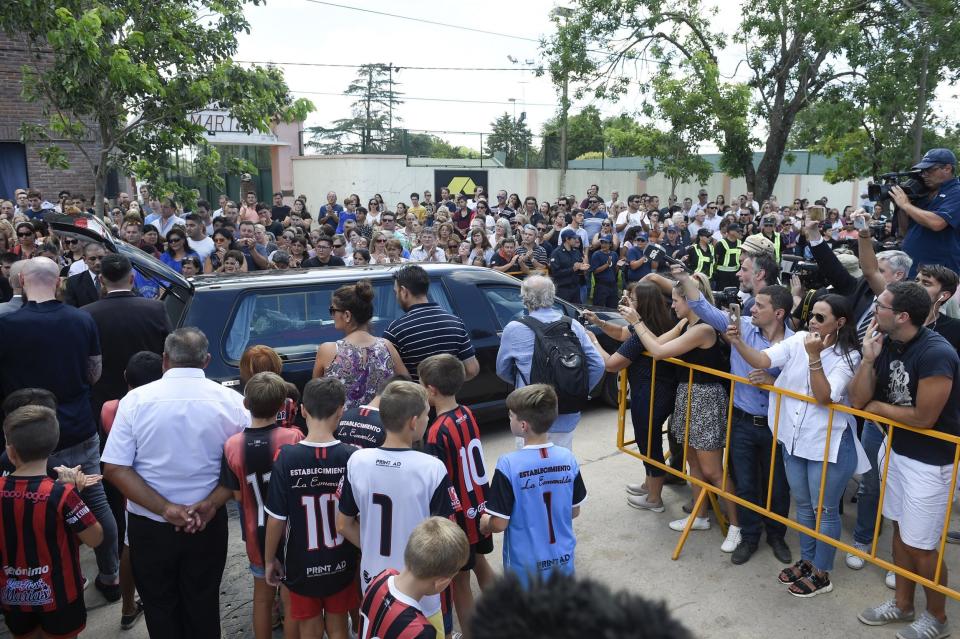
x: 426, y: 329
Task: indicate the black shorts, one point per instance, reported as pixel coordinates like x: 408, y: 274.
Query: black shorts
x: 66, y: 621
x: 482, y: 547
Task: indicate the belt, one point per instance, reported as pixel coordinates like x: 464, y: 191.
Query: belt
x: 756, y: 420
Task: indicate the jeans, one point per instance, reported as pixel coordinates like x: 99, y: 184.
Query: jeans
x: 86, y: 454
x: 663, y: 401
x: 868, y: 498
x: 804, y: 477
x: 750, y: 451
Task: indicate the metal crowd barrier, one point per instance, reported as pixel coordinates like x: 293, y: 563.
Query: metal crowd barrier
x: 777, y: 394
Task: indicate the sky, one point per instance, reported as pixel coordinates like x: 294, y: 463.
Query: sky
x: 295, y: 34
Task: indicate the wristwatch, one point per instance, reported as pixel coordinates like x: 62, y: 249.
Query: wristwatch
x: 631, y: 329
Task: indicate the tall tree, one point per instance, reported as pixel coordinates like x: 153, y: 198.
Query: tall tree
x: 128, y: 74
x: 510, y: 137
x: 584, y: 132
x: 373, y: 116
x: 795, y: 50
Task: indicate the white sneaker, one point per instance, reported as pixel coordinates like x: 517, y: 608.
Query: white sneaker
x: 699, y: 523
x: 891, y: 580
x: 854, y: 562
x: 642, y: 502
x: 637, y: 489
x: 733, y: 539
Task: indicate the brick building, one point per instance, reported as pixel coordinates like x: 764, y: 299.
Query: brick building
x: 20, y: 164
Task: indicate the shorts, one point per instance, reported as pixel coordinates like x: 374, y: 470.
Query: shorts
x: 66, y: 621
x: 259, y: 572
x: 916, y: 498
x: 482, y: 547
x: 303, y: 607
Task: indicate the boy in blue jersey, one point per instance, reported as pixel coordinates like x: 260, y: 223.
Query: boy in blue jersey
x: 536, y: 491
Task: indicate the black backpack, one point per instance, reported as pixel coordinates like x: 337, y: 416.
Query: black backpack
x: 559, y: 360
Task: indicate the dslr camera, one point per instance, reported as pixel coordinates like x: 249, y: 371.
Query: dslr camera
x: 726, y: 297
x: 909, y: 181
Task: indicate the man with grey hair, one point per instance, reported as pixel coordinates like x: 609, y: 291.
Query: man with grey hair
x: 164, y: 455
x: 49, y: 344
x: 515, y: 357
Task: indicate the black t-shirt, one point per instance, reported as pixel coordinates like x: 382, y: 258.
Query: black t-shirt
x: 899, y: 370
x: 498, y: 260
x: 314, y: 262
x: 361, y: 427
x: 280, y: 213
x: 948, y: 328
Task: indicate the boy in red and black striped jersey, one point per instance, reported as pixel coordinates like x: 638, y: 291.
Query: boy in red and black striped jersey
x: 41, y: 588
x: 248, y: 460
x: 321, y: 566
x: 436, y: 549
x: 454, y: 438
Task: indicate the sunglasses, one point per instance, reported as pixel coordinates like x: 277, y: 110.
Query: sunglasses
x: 338, y: 245
x: 381, y: 241
x: 820, y: 317
x: 334, y: 309
x: 28, y: 234
x: 176, y: 239
x: 71, y: 241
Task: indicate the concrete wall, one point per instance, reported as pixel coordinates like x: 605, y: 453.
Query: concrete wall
x: 390, y: 176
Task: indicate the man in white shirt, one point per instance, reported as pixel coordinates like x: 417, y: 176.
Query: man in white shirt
x: 197, y: 238
x: 428, y: 251
x: 166, y: 219
x: 712, y: 221
x: 164, y: 454
x: 700, y: 205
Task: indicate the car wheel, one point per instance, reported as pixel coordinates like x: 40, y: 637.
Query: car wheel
x: 610, y: 389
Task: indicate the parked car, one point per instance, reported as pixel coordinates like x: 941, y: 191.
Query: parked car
x: 289, y: 311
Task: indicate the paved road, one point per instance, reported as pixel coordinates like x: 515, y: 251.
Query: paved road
x: 629, y: 549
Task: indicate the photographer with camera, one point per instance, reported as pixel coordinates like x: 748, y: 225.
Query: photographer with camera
x: 933, y: 235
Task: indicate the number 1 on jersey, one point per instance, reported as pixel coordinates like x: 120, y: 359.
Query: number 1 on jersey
x: 548, y: 502
x: 386, y: 522
x: 322, y: 512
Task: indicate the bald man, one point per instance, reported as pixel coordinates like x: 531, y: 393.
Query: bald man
x: 49, y: 344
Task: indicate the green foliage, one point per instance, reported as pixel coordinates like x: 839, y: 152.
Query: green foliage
x: 126, y: 75
x: 584, y: 132
x: 512, y: 138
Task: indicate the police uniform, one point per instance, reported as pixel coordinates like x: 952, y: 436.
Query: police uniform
x: 727, y: 254
x: 564, y: 277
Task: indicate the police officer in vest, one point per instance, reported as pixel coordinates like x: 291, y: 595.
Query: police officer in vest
x: 566, y: 264
x: 769, y: 231
x: 727, y: 255
x: 699, y: 255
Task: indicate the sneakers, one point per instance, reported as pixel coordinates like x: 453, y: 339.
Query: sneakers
x: 925, y: 627
x: 891, y: 580
x: 637, y: 489
x: 110, y: 592
x: 743, y: 552
x: 642, y: 502
x: 854, y: 562
x: 733, y: 539
x: 699, y: 523
x: 129, y: 621
x: 885, y: 613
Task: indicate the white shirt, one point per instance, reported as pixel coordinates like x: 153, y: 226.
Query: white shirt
x: 803, y: 425
x: 164, y: 227
x: 172, y: 431
x: 203, y: 247
x: 631, y: 219
x: 420, y: 255
x: 696, y: 208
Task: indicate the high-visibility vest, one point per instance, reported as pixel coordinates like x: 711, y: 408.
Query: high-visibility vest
x: 777, y: 245
x: 731, y: 260
x: 704, y: 261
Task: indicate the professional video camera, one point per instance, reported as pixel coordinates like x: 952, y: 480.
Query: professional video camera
x: 808, y: 272
x: 729, y: 295
x: 913, y: 186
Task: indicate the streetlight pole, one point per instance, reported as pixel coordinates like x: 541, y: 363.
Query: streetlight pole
x: 563, y: 13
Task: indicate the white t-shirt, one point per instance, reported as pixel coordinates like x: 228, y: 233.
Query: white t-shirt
x: 203, y: 247
x: 393, y: 490
x: 630, y: 219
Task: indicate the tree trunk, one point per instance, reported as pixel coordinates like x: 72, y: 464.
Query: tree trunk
x: 769, y: 168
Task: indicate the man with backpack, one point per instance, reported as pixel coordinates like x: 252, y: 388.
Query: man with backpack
x: 546, y: 347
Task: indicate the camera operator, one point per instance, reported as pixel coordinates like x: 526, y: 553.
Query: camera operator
x: 878, y: 271
x: 933, y: 235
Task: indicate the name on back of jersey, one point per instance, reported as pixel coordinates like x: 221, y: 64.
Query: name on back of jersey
x: 319, y: 477
x: 327, y: 569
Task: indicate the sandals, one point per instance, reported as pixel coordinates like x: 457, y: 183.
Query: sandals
x: 815, y: 584
x: 795, y: 573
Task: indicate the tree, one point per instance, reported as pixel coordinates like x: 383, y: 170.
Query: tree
x: 584, y: 132
x: 128, y: 74
x: 370, y: 127
x: 795, y: 51
x: 511, y: 137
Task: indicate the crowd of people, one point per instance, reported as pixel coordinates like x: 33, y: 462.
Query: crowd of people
x: 361, y: 510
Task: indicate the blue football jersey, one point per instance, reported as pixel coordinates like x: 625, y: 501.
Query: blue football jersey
x: 537, y: 488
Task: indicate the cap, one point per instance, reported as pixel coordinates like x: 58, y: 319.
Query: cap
x: 705, y: 233
x: 757, y: 244
x: 735, y: 227
x: 936, y: 156
x: 850, y: 263
x: 770, y: 221
x: 672, y: 229
x: 702, y: 192
x: 566, y: 234
x: 643, y: 236
x: 606, y: 238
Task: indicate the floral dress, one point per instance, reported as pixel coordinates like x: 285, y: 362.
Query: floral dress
x: 361, y: 369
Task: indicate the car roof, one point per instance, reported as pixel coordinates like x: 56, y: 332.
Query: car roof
x: 300, y: 276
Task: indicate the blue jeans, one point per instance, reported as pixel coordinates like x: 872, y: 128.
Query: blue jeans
x: 86, y: 454
x: 750, y: 452
x: 868, y: 498
x: 804, y: 477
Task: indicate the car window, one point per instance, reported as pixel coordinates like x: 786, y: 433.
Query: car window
x: 506, y: 303
x: 294, y: 322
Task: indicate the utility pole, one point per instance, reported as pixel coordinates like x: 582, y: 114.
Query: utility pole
x: 365, y: 136
x: 390, y: 69
x: 564, y: 107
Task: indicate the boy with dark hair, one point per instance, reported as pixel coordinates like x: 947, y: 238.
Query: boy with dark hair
x: 361, y: 426
x: 41, y: 586
x: 435, y: 551
x: 28, y: 397
x: 570, y: 608
x: 536, y: 515
x: 246, y: 469
x: 320, y: 568
x: 394, y: 488
x: 454, y: 439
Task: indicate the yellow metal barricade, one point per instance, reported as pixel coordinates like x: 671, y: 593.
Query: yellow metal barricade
x: 776, y: 395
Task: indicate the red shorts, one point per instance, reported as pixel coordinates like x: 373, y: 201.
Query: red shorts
x: 302, y: 607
